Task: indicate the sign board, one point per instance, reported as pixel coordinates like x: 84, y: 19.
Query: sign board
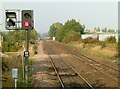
x: 26, y: 54
x: 11, y: 20
x: 15, y: 73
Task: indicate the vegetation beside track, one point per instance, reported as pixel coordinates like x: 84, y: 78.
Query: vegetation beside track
x: 70, y: 33
x: 13, y: 47
x: 104, y: 53
x: 12, y: 61
x: 15, y: 40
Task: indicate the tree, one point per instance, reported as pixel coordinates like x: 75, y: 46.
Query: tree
x: 53, y: 28
x: 71, y: 36
x: 110, y: 39
x: 111, y: 30
x: 73, y: 25
x: 98, y: 29
x: 104, y: 30
x: 33, y: 34
x: 62, y: 32
x: 12, y: 40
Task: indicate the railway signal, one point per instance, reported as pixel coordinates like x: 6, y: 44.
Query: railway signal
x: 27, y: 19
x: 27, y: 24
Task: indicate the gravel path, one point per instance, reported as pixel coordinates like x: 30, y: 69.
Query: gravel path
x: 42, y: 69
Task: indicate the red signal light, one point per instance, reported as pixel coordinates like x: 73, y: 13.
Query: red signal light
x: 26, y: 24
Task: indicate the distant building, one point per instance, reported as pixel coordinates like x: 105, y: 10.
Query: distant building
x: 104, y: 30
x: 101, y: 36
x: 86, y: 30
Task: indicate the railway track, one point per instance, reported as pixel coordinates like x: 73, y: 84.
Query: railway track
x: 68, y: 70
x: 104, y: 68
x: 101, y: 69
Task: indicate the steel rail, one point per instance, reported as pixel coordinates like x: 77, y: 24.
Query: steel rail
x: 91, y: 59
x: 56, y: 71
x: 78, y: 73
x: 96, y: 68
x: 98, y: 62
x: 78, y: 57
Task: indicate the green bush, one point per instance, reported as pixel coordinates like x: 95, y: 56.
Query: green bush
x: 71, y: 36
x: 70, y: 31
x: 35, y: 48
x: 103, y: 44
x: 10, y: 47
x: 90, y: 40
x: 13, y: 61
x: 111, y: 39
x: 60, y: 34
x: 12, y: 40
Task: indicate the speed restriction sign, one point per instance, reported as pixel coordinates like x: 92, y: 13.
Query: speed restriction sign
x: 26, y: 54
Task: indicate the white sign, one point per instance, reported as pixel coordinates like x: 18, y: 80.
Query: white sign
x: 26, y: 54
x: 15, y: 73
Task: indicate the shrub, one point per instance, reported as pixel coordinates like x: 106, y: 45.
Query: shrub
x: 111, y: 39
x: 10, y: 47
x: 90, y: 40
x: 60, y: 35
x: 71, y: 36
x: 103, y: 44
x: 35, y: 48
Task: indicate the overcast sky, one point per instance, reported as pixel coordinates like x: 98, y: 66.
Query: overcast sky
x: 92, y: 14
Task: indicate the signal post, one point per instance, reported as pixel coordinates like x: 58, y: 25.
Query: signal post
x: 13, y: 22
x: 27, y: 24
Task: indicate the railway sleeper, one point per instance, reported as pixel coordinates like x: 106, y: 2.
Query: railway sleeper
x: 63, y: 74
